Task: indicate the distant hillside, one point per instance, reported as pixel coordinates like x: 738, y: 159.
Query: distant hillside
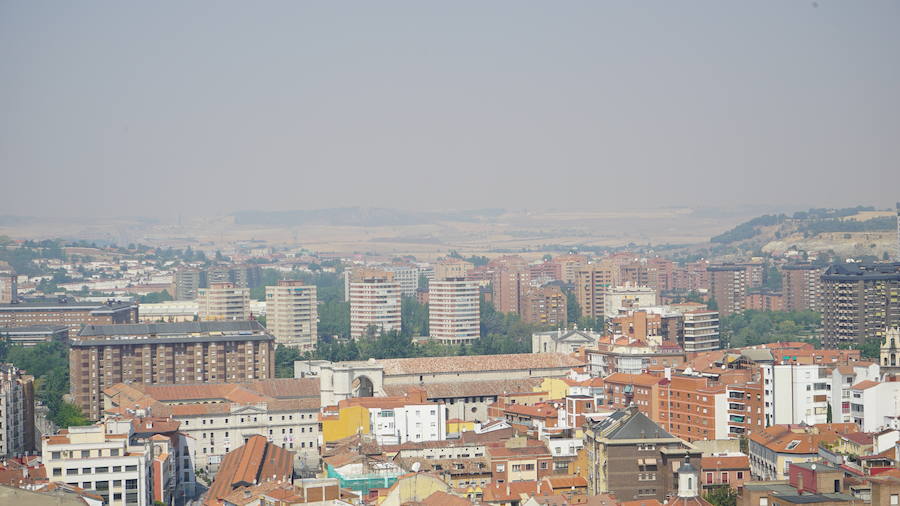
x: 359, y: 216
x: 809, y: 223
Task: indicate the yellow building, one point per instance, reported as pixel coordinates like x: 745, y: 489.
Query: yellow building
x: 455, y: 425
x: 349, y: 421
x: 555, y: 388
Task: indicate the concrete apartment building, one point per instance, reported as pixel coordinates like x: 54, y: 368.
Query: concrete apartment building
x: 591, y: 284
x: 454, y: 311
x: 195, y: 352
x: 728, y: 285
x: 801, y: 286
x: 68, y: 312
x: 859, y: 302
x: 218, y: 418
x: 224, y: 301
x: 375, y: 300
x: 90, y: 458
x: 700, y: 331
x: 187, y: 281
x: 35, y: 334
x: 875, y: 405
x: 546, y: 306
x: 171, y: 311
x: 627, y: 297
x: 8, y: 284
x: 407, y: 276
x: 843, y: 378
x: 16, y: 411
x: 292, y: 314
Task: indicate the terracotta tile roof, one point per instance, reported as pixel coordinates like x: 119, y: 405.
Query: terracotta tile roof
x: 540, y: 411
x: 632, y: 379
x: 864, y: 385
x: 444, y: 499
x: 525, y: 451
x: 800, y: 439
x: 862, y: 438
x: 512, y: 491
x: 255, y: 462
x: 477, y: 363
x: 725, y: 462
x: 566, y: 481
x: 468, y: 388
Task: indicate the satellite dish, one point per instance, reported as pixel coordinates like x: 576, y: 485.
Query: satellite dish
x: 415, y: 467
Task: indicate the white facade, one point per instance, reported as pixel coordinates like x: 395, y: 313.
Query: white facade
x: 374, y: 303
x: 292, y: 314
x: 411, y: 423
x: 172, y: 311
x: 627, y: 297
x: 407, y: 276
x: 842, y: 381
x: 875, y: 407
x: 16, y: 407
x: 797, y: 393
x: 701, y: 331
x: 89, y: 458
x: 453, y: 311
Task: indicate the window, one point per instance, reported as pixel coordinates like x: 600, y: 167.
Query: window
x: 501, y: 468
x: 130, y: 468
x: 55, y: 455
x: 85, y: 454
x: 57, y: 471
x: 131, y: 484
x: 102, y: 470
x: 740, y: 475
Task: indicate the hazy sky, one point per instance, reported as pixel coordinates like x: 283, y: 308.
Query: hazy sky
x: 157, y: 108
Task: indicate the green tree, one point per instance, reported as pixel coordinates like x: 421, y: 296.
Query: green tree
x: 722, y: 495
x: 284, y: 361
x: 413, y: 317
x: 69, y: 415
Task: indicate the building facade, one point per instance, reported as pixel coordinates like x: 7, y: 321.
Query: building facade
x: 859, y: 302
x: 801, y: 286
x: 545, y: 306
x: 628, y: 297
x: 196, y: 352
x: 453, y: 311
x: 224, y: 301
x: 375, y: 301
x: 700, y: 331
x: 728, y: 285
x: 292, y: 314
x: 65, y: 311
x: 592, y: 283
x: 8, y: 284
x: 187, y: 282
x: 16, y: 411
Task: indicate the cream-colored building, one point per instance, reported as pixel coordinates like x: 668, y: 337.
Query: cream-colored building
x: 451, y: 268
x: 172, y: 311
x: 374, y: 302
x: 292, y: 314
x: 90, y: 458
x: 224, y: 301
x: 453, y: 311
x: 627, y: 297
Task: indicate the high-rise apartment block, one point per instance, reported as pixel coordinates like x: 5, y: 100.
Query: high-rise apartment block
x: 292, y: 314
x: 728, y: 287
x: 68, y: 312
x: 407, y: 276
x: 187, y: 282
x: 191, y: 352
x: 224, y: 301
x: 627, y: 297
x: 568, y: 267
x: 8, y: 285
x: 859, y: 302
x: 16, y: 411
x: 592, y: 283
x: 700, y: 331
x: 374, y: 302
x: 510, y: 280
x: 453, y: 311
x: 545, y: 306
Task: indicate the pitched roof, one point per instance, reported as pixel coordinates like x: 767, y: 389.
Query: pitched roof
x: 476, y: 363
x: 255, y: 462
x: 633, y: 379
x: 630, y: 424
x: 865, y: 384
x: 467, y: 388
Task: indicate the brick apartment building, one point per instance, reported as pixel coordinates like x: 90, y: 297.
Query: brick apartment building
x: 728, y: 285
x: 859, y: 301
x: 65, y: 311
x: 192, y: 352
x: 801, y: 285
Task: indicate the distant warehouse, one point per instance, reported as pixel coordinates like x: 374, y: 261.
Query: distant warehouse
x: 166, y: 353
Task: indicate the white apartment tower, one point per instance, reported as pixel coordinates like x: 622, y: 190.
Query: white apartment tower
x: 374, y: 302
x: 453, y: 311
x: 16, y: 411
x: 292, y: 314
x: 224, y: 301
